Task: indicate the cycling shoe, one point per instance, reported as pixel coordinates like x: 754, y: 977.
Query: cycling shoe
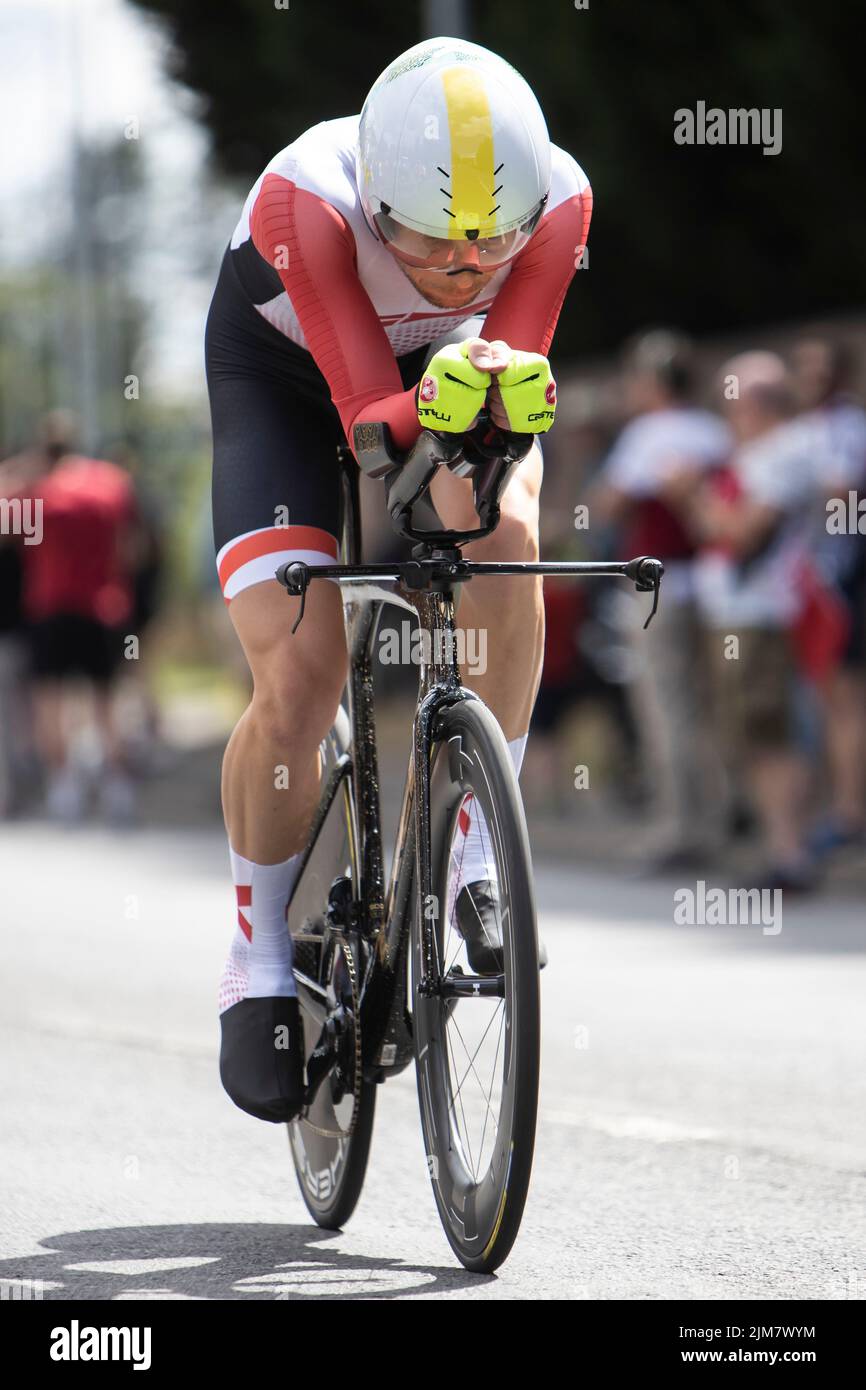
x: 262, y: 1058
x: 477, y: 920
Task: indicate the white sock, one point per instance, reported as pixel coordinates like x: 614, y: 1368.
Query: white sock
x: 517, y: 748
x: 475, y: 855
x: 260, y: 959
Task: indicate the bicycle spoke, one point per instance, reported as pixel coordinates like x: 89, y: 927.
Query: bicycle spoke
x: 489, y: 1110
x: 455, y: 867
x: 487, y: 1122
x: 481, y: 921
x: 458, y: 939
x: 471, y: 1066
x: 486, y: 1096
x: 462, y: 1111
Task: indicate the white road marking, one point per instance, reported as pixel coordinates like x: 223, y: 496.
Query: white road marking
x: 153, y: 1266
x: 351, y: 1280
x: 653, y: 1128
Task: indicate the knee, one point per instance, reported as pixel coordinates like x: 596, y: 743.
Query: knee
x: 521, y: 532
x: 298, y: 677
x: 296, y: 695
x: 515, y: 538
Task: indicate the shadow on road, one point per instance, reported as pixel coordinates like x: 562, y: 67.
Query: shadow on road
x: 210, y: 1261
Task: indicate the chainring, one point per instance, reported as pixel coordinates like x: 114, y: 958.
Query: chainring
x: 341, y: 982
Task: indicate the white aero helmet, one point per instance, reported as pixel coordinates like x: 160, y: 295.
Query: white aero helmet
x: 452, y: 146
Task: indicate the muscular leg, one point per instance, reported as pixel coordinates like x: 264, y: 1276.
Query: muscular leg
x: 276, y: 492
x: 510, y: 610
x: 270, y: 785
x: 298, y: 679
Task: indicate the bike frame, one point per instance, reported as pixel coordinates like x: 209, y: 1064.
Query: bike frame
x: 381, y: 911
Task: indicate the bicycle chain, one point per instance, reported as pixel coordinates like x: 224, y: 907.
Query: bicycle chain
x: 356, y: 1009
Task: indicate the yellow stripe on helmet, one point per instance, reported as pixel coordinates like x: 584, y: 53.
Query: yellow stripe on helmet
x: 471, y: 130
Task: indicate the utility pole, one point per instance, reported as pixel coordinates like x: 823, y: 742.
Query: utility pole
x: 447, y: 17
x: 83, y: 260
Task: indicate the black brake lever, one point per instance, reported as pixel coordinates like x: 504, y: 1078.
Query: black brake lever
x: 646, y: 575
x: 656, y: 587
x: 295, y: 579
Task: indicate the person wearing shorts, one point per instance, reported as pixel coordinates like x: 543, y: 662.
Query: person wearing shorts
x: 77, y: 599
x: 756, y: 520
x: 834, y: 423
x: 326, y: 310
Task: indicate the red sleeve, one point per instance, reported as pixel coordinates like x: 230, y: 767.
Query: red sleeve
x: 313, y: 249
x: 526, y: 309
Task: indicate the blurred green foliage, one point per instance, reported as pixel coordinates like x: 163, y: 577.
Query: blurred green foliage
x: 43, y: 297
x: 712, y: 238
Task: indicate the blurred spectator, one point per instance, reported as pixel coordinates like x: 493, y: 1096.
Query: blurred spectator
x: 756, y: 519
x: 546, y: 763
x: 12, y: 673
x: 835, y: 427
x: 77, y: 593
x: 17, y: 476
x: 666, y: 437
x: 147, y: 555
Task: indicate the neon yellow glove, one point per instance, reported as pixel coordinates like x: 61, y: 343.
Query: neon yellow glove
x: 528, y: 393
x: 452, y: 391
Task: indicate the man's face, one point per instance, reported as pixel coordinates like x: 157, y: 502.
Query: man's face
x: 455, y: 287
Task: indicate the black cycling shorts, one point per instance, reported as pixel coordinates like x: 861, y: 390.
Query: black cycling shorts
x: 275, y: 437
x: 69, y: 645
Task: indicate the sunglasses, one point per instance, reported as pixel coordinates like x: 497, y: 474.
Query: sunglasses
x: 446, y: 254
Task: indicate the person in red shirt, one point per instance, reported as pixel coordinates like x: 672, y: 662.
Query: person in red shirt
x: 77, y: 594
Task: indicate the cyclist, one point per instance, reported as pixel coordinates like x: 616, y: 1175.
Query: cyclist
x: 367, y: 245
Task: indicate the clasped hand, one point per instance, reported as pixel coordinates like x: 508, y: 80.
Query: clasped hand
x: 516, y: 387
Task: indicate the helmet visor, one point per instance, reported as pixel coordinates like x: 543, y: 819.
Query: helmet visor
x: 447, y: 253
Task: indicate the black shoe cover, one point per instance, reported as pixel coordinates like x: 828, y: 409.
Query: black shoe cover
x: 477, y: 916
x: 261, y: 1058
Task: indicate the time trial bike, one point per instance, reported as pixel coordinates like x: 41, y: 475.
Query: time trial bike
x: 383, y: 962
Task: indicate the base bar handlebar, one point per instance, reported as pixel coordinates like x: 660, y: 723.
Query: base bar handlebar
x: 444, y: 568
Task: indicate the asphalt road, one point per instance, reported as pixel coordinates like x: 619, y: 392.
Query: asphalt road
x: 702, y: 1124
